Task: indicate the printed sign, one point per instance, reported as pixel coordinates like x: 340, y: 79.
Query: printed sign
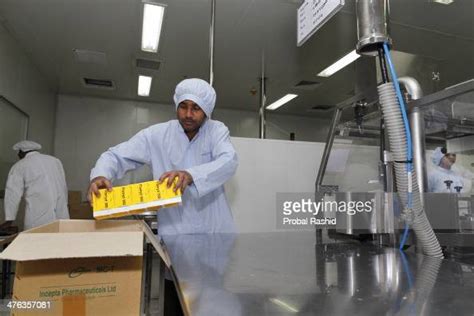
x: 313, y: 14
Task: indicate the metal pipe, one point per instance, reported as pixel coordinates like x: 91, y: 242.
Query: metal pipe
x: 372, y: 25
x: 412, y: 86
x: 263, y: 100
x: 212, y: 32
x: 327, y: 147
x: 417, y: 125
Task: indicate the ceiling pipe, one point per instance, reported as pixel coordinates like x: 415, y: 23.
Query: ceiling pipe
x: 212, y: 32
x: 372, y: 26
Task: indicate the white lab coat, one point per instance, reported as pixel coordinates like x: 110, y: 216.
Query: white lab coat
x: 209, y: 157
x: 41, y: 181
x: 437, y: 177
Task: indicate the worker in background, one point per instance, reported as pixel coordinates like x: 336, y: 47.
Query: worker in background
x: 195, y: 149
x: 444, y: 177
x: 41, y: 181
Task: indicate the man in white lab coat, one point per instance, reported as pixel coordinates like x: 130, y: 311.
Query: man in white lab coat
x: 41, y: 181
x: 444, y: 177
x: 194, y: 148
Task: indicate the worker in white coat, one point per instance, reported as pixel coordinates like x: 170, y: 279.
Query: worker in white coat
x: 40, y: 179
x: 194, y: 148
x: 444, y: 177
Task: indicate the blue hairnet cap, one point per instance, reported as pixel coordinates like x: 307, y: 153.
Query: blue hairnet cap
x: 26, y: 145
x: 437, y: 155
x: 198, y: 91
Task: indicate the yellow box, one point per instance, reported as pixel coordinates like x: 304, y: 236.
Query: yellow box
x: 134, y: 199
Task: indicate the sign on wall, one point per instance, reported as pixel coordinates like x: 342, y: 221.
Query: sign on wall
x: 313, y: 14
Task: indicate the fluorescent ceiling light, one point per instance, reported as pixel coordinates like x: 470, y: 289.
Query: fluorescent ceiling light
x: 152, y: 22
x: 144, y: 85
x: 338, y: 65
x: 444, y: 1
x: 287, y: 98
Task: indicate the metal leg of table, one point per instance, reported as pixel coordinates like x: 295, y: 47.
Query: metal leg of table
x: 6, y: 270
x: 161, y: 289
x: 148, y: 274
x: 4, y: 278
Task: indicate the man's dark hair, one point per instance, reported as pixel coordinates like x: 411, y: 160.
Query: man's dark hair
x: 22, y: 154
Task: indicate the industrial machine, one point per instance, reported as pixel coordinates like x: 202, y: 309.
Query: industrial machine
x: 382, y: 138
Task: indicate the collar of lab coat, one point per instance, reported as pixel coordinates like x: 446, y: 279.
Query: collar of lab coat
x: 443, y: 170
x: 198, y: 132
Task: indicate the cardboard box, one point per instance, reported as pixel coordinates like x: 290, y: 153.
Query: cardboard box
x: 134, y: 199
x: 74, y: 197
x: 81, y: 211
x: 81, y: 267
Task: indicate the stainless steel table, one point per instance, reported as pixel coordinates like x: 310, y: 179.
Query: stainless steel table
x: 286, y: 273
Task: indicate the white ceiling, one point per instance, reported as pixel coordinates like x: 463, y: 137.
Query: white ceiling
x: 49, y: 30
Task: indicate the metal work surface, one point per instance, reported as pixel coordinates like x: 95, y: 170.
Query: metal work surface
x: 286, y: 273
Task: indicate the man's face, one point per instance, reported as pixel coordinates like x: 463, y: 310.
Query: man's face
x: 190, y: 116
x: 448, y: 160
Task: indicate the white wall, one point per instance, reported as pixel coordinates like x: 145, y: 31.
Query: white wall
x: 26, y: 88
x: 23, y: 85
x: 267, y: 167
x: 87, y: 126
x: 246, y: 124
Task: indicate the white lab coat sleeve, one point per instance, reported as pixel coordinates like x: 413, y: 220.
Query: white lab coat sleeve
x: 13, y: 193
x: 62, y: 211
x: 115, y: 162
x: 209, y: 176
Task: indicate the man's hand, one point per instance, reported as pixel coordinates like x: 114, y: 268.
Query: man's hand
x: 184, y: 179
x: 96, y: 184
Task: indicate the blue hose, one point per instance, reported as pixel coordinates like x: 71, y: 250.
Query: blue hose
x: 407, y: 130
x: 404, y: 237
x: 406, y: 268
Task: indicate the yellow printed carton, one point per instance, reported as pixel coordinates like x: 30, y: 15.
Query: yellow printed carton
x: 134, y: 199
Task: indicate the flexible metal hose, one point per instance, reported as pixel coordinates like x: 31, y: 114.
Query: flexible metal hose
x: 398, y: 147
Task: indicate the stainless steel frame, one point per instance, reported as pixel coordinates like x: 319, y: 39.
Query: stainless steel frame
x: 262, y: 126
x: 327, y: 148
x: 450, y: 92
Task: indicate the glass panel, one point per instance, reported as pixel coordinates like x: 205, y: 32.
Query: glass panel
x: 449, y: 123
x: 353, y: 164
